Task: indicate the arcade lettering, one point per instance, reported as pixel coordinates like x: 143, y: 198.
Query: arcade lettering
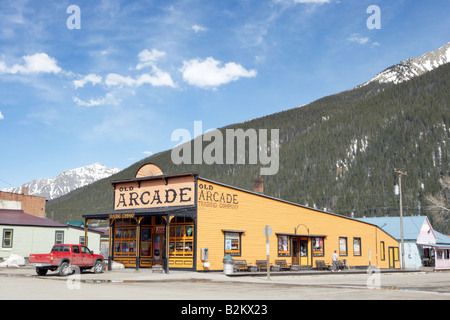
x: 208, y: 197
x: 128, y: 197
x: 121, y: 216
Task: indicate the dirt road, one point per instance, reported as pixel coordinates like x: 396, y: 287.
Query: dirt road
x: 23, y: 283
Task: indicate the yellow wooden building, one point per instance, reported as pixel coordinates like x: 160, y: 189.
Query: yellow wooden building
x: 188, y: 222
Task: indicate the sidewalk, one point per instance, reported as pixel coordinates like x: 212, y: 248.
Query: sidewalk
x: 146, y: 275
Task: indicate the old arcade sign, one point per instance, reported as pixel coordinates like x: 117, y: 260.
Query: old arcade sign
x: 154, y: 193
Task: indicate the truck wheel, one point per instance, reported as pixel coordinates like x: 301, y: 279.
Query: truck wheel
x: 65, y: 269
x: 98, y: 266
x: 41, y: 271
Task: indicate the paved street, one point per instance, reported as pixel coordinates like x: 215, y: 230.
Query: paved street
x: 23, y: 283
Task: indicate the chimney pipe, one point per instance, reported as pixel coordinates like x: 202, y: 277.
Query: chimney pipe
x: 259, y: 185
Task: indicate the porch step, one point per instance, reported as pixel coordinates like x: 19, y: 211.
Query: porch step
x: 157, y: 268
x: 300, y: 268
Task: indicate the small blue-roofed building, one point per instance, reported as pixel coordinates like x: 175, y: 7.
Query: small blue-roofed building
x: 424, y: 247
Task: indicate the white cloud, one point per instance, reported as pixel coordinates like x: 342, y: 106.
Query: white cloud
x: 159, y: 78
x: 37, y: 63
x: 1, y: 116
x: 148, y: 58
x: 114, y: 79
x: 92, y: 78
x: 148, y: 153
x: 312, y: 1
x: 358, y: 39
x: 198, y: 28
x: 209, y: 74
x: 108, y: 99
x: 156, y: 77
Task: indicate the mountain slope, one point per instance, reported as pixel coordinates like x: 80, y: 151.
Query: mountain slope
x: 65, y: 182
x: 413, y: 67
x: 337, y: 153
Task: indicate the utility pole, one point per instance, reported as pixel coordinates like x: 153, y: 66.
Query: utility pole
x: 400, y: 174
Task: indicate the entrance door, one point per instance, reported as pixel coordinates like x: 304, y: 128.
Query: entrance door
x: 295, y: 252
x: 300, y: 252
x: 303, y: 251
x: 391, y: 258
x: 158, y: 248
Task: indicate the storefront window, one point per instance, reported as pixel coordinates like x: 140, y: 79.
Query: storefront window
x: 125, y: 237
x: 181, y: 237
x: 342, y: 246
x: 284, y: 248
x: 233, y: 243
x: 356, y: 246
x: 318, y: 250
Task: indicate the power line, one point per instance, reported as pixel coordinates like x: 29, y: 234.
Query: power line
x: 6, y: 182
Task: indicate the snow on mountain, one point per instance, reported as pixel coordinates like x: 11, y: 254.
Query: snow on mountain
x: 66, y: 182
x: 413, y: 67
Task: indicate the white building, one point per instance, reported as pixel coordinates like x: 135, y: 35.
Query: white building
x: 424, y: 247
x: 23, y: 234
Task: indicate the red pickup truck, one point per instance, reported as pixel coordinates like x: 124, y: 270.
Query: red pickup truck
x: 64, y: 256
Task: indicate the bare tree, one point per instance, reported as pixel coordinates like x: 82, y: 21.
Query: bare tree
x: 439, y: 205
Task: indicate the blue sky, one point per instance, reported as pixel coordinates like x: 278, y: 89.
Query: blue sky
x: 114, y: 90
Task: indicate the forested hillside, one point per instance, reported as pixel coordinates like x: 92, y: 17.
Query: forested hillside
x: 337, y: 153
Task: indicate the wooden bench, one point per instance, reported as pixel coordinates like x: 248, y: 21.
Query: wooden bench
x: 344, y: 264
x: 282, y: 263
x: 275, y: 267
x: 341, y: 265
x: 240, y: 265
x: 261, y: 264
x: 321, y: 265
x: 252, y: 268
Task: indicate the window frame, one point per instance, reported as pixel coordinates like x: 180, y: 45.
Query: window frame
x: 318, y: 253
x: 231, y: 252
x: 4, y: 239
x: 342, y: 253
x: 181, y: 242
x: 357, y: 253
x: 59, y: 232
x: 284, y: 253
x: 382, y: 251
